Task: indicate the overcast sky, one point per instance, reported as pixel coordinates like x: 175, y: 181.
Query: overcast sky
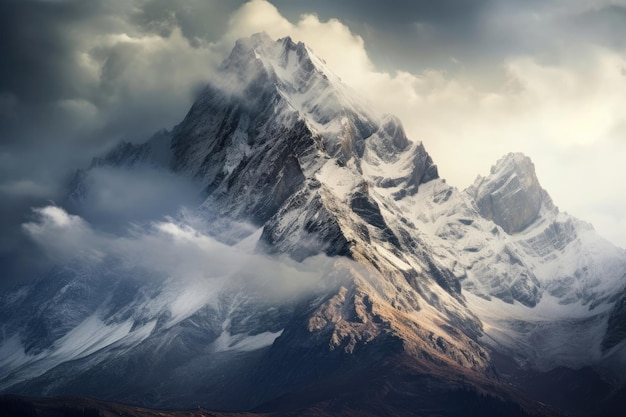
x: 472, y: 79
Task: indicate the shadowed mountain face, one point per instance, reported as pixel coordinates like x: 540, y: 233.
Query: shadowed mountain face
x: 326, y: 269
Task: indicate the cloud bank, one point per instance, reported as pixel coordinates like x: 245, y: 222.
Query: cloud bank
x: 182, y: 255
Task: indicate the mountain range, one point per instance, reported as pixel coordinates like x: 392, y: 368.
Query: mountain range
x: 327, y: 269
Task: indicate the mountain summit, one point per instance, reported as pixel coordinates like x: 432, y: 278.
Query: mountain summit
x: 511, y: 195
x: 421, y: 287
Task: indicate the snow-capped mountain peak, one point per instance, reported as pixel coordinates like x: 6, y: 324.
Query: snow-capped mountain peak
x: 511, y: 195
x: 302, y: 79
x: 290, y: 162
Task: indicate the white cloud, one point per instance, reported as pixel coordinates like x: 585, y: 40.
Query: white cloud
x: 196, y: 265
x: 331, y: 40
x: 64, y: 236
x: 145, y: 81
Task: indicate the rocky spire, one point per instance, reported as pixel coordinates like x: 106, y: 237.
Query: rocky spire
x: 510, y: 195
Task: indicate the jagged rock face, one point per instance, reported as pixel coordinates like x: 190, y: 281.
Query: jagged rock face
x: 224, y: 140
x: 253, y: 141
x: 511, y: 196
x: 316, y: 229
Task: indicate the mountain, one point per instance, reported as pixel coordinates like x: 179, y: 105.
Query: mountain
x: 418, y: 287
x: 560, y: 267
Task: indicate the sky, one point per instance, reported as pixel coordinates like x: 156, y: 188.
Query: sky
x: 472, y: 79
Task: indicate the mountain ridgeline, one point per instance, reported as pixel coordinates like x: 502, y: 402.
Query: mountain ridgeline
x: 431, y: 300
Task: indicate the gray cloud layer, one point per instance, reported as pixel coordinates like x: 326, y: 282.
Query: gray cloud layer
x: 76, y: 77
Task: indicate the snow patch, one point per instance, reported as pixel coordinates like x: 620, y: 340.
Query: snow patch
x: 244, y: 342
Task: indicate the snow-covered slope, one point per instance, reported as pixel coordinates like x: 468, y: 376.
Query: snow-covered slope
x: 291, y: 163
x: 541, y: 281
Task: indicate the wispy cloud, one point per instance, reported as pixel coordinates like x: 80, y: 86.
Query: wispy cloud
x: 180, y: 253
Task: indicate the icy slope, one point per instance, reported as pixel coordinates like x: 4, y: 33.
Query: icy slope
x: 541, y: 281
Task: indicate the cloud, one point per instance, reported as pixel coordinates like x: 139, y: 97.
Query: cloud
x: 21, y: 188
x: 77, y: 78
x: 115, y: 197
x: 332, y: 40
x: 63, y: 236
x: 181, y: 254
x: 84, y: 75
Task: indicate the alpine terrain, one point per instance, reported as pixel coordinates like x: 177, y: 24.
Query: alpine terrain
x: 350, y: 278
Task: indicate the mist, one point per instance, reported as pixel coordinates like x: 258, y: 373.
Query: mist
x: 116, y: 196
x: 182, y: 256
